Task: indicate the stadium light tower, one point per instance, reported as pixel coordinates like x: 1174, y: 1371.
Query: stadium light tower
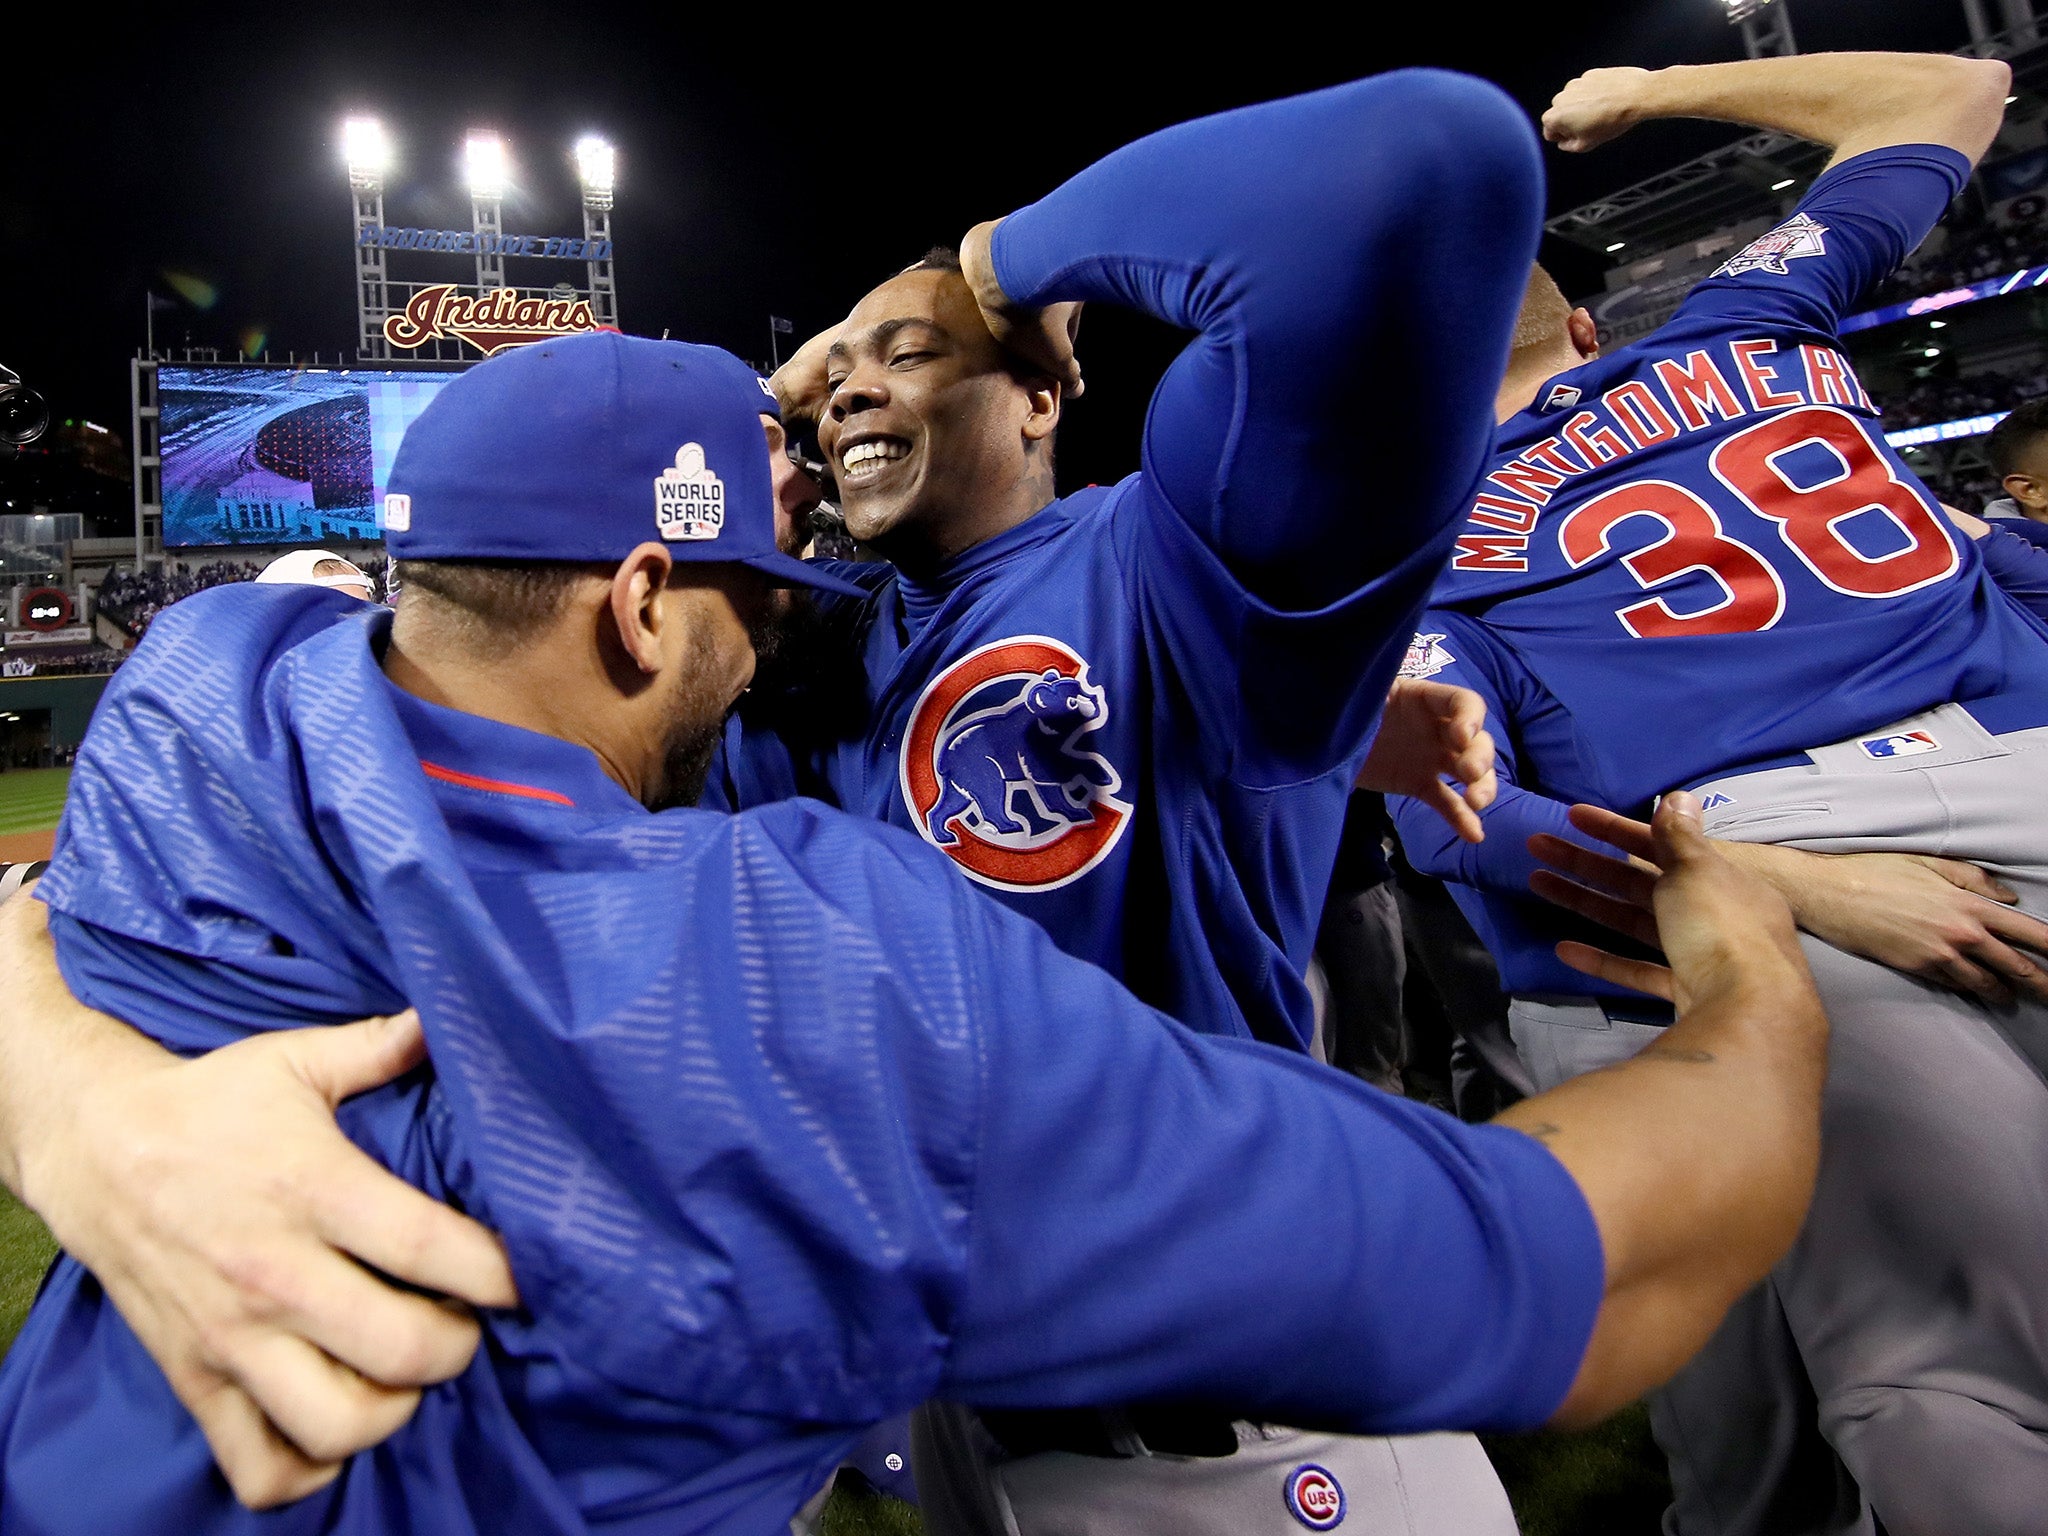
x: 597, y: 170
x: 367, y: 149
x: 488, y: 169
x: 1766, y: 27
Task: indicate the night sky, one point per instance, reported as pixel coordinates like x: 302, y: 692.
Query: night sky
x: 201, y: 152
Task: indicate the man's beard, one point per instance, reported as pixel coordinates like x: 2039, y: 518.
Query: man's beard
x: 685, y: 763
x: 696, y: 722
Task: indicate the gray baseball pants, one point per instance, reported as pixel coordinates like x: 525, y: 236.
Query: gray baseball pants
x: 1413, y: 1485
x: 1915, y: 1301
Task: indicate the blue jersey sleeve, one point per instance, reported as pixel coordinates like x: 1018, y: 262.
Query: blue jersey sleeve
x: 1163, y: 1214
x: 2018, y: 564
x: 1351, y: 262
x: 1854, y: 226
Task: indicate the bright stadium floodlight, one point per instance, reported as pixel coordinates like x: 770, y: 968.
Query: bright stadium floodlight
x: 596, y: 164
x: 485, y: 162
x: 367, y: 151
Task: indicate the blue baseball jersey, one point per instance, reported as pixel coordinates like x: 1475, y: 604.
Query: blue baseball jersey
x: 785, y: 1127
x: 1136, y: 717
x: 1702, y: 546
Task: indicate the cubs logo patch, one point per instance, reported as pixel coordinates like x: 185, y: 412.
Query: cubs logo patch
x: 1797, y: 236
x: 996, y: 771
x: 1426, y: 657
x: 689, y: 500
x: 1902, y: 744
x: 1314, y: 1497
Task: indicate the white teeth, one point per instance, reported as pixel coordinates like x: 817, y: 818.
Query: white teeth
x: 867, y: 458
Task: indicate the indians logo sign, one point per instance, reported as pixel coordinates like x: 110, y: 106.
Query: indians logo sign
x: 997, y: 770
x: 1797, y: 236
x: 499, y: 319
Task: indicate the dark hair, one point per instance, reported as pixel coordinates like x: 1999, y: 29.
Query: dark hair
x: 2012, y: 437
x: 505, y: 601
x: 940, y: 258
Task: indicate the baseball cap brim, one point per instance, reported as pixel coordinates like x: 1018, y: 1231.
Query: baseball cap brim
x: 788, y: 571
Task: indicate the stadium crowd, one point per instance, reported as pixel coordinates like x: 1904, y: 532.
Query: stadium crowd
x: 1784, y: 823
x: 1973, y: 247
x: 133, y: 598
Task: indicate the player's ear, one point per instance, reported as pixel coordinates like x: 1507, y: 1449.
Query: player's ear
x: 1585, y: 334
x: 2025, y: 490
x: 639, y: 616
x: 1043, y: 398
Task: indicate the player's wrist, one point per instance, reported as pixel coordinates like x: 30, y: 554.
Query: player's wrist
x: 978, y: 267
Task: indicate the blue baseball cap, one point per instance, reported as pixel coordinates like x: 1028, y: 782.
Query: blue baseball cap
x: 584, y: 447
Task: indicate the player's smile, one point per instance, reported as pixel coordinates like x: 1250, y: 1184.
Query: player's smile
x: 864, y: 456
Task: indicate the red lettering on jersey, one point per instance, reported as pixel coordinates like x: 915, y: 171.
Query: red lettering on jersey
x: 1490, y: 552
x: 1518, y: 477
x: 1756, y: 378
x: 1503, y: 512
x: 1641, y: 417
x: 1550, y: 453
x: 1601, y: 445
x: 1862, y: 395
x: 1827, y: 377
x: 1697, y: 388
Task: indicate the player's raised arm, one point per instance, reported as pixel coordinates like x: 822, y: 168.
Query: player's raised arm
x: 1352, y: 261
x: 1851, y: 102
x: 224, y: 1213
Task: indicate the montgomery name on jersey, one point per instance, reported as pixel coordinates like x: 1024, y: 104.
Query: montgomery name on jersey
x: 1713, y: 515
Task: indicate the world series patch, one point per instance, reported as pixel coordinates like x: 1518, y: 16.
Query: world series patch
x: 1426, y: 657
x: 1314, y: 1497
x: 998, y: 770
x: 1797, y: 236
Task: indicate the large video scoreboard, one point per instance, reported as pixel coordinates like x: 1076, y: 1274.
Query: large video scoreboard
x: 260, y: 455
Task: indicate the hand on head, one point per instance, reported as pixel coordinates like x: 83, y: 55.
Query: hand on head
x: 1043, y: 338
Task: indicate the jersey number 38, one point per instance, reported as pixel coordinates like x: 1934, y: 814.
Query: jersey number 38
x: 1809, y: 513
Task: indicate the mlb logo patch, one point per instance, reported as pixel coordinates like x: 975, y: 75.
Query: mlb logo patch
x: 1315, y: 1498
x: 1904, y: 744
x: 1797, y: 236
x: 1560, y: 396
x: 689, y: 500
x: 398, y: 512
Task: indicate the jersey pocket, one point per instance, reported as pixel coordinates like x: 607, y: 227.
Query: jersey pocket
x: 1750, y: 826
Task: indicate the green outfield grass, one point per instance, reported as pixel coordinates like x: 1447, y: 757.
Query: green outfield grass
x: 31, y: 799
x: 25, y: 1252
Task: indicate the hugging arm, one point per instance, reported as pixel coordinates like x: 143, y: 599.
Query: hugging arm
x: 230, y: 1221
